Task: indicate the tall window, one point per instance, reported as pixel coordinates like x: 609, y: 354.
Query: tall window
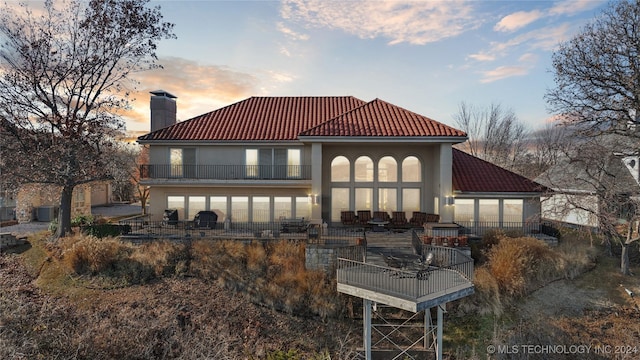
x: 488, y: 210
x: 364, y: 169
x: 364, y: 199
x: 196, y: 203
x: 261, y: 209
x: 281, y: 207
x: 387, y: 169
x: 410, y: 200
x: 340, y: 169
x: 303, y: 207
x: 411, y: 169
x: 339, y: 202
x: 176, y: 202
x: 239, y: 208
x: 387, y: 200
x: 218, y: 204
x: 294, y: 163
x: 182, y: 162
x: 251, y: 162
x: 464, y: 210
x: 511, y: 210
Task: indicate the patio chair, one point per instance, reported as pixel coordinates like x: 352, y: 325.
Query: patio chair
x: 398, y: 219
x: 433, y: 218
x: 347, y: 217
x: 418, y: 219
x: 364, y: 216
x: 381, y: 216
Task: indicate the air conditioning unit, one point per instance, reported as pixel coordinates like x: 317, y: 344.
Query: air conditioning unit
x: 46, y: 213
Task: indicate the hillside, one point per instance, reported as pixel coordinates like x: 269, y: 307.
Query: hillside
x: 47, y: 311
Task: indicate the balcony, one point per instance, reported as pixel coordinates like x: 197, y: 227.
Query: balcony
x: 226, y: 172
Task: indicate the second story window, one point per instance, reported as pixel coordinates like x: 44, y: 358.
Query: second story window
x: 251, y: 161
x: 275, y: 163
x: 182, y: 162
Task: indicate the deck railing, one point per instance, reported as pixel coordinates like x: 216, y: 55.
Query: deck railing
x: 406, y: 284
x: 226, y: 172
x: 479, y: 228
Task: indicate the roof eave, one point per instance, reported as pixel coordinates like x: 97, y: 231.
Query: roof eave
x: 384, y: 139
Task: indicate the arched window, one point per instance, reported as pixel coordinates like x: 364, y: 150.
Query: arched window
x: 387, y: 169
x: 364, y: 169
x: 340, y: 169
x: 411, y: 169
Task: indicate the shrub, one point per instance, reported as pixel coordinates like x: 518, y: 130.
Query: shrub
x: 92, y: 255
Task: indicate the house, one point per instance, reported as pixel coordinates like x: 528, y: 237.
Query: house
x: 585, y: 187
x: 267, y: 158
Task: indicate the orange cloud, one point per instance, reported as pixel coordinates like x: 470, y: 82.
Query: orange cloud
x: 199, y: 88
x: 517, y: 20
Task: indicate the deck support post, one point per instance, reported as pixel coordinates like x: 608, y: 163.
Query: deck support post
x: 366, y: 331
x: 439, y: 339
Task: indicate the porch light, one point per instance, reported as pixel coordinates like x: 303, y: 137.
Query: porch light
x: 313, y: 199
x: 449, y: 200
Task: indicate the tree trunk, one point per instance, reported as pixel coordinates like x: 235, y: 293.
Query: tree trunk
x: 64, y: 216
x: 624, y: 259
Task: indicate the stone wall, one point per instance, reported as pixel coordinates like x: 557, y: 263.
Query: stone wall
x: 32, y: 196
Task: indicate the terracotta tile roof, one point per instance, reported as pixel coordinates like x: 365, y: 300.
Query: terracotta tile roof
x: 472, y: 174
x: 259, y: 118
x: 380, y: 118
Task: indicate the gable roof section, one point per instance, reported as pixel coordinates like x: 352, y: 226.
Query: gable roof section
x: 472, y: 174
x: 259, y: 118
x: 379, y: 118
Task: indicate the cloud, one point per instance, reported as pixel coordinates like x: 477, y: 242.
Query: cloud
x: 572, y: 7
x: 413, y: 22
x: 290, y: 33
x: 482, y: 57
x: 503, y: 72
x: 517, y: 20
x: 199, y: 88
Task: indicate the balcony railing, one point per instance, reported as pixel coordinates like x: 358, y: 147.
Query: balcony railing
x: 226, y: 172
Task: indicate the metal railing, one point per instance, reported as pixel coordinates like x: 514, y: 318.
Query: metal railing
x: 226, y: 172
x: 479, y: 228
x: 408, y: 284
x: 141, y: 226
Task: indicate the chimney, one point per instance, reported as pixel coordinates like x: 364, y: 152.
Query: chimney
x: 163, y: 109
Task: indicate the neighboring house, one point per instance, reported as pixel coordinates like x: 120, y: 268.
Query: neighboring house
x: 266, y: 158
x: 574, y: 198
x: 40, y: 202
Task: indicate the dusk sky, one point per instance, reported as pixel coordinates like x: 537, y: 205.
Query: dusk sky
x: 425, y: 56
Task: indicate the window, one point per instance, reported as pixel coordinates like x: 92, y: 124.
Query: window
x: 196, y: 203
x: 303, y: 207
x: 340, y: 169
x: 464, y: 210
x: 78, y: 197
x: 364, y: 198
x: 251, y: 162
x: 387, y: 200
x: 218, y: 204
x: 364, y: 169
x: 261, y: 209
x: 239, y: 208
x: 387, y: 169
x: 294, y: 169
x: 411, y: 169
x: 339, y: 202
x: 281, y: 207
x: 176, y: 202
x: 488, y: 210
x: 512, y: 210
x: 410, y: 200
x: 182, y: 162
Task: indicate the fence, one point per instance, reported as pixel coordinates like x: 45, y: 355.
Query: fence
x: 479, y: 228
x: 408, y: 284
x: 141, y: 226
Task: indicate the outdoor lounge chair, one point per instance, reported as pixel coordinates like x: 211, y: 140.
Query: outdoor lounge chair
x: 398, y: 219
x: 364, y: 216
x: 348, y: 217
x: 381, y: 216
x: 418, y: 219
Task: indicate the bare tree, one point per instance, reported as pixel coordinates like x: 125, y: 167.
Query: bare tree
x: 597, y: 90
x: 546, y: 147
x: 64, y: 73
x: 125, y: 169
x: 495, y: 134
